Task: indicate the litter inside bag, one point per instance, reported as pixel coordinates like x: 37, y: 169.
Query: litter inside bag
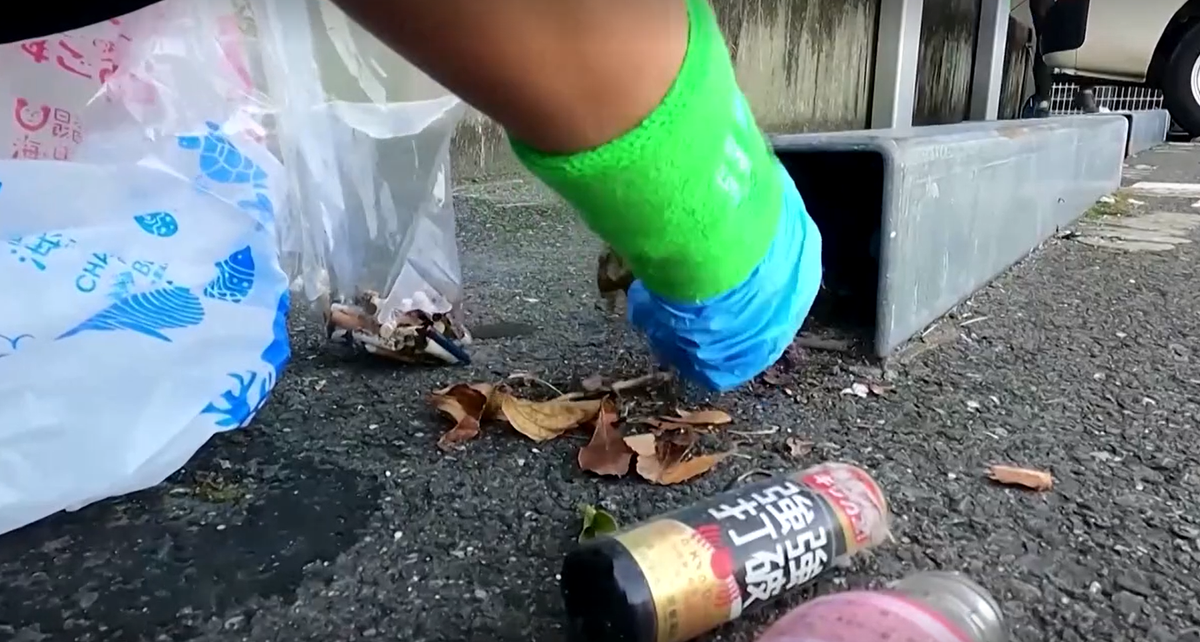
x: 368, y: 163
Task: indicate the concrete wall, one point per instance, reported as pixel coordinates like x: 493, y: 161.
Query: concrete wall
x: 806, y: 65
x: 945, y: 61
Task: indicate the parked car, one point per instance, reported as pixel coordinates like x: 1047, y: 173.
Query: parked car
x: 1154, y: 43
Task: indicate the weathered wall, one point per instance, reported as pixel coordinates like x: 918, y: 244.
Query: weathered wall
x: 945, y: 68
x: 805, y: 65
x: 1016, y: 69
x: 945, y: 61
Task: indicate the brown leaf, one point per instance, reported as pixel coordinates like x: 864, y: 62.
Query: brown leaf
x: 701, y: 417
x: 607, y: 453
x: 545, y: 420
x: 685, y: 470
x: 642, y: 445
x: 661, y: 461
x: 1026, y: 477
x: 466, y: 405
x: 466, y: 429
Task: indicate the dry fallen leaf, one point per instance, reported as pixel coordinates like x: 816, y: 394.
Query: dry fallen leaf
x: 662, y: 461
x: 607, y: 453
x: 467, y: 405
x: 1026, y: 477
x: 701, y: 417
x: 545, y: 420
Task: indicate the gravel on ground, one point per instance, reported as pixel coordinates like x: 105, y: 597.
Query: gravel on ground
x: 334, y: 517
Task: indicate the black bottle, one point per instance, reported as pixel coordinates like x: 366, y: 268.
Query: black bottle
x: 677, y: 576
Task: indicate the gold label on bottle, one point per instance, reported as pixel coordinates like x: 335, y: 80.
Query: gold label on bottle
x: 691, y: 577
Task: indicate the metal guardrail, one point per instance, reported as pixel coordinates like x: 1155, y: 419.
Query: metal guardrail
x: 1112, y: 97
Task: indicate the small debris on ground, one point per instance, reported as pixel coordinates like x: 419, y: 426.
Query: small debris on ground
x: 596, y: 522
x: 858, y: 390
x: 689, y: 419
x: 797, y: 448
x: 1038, y: 480
x: 1117, y: 204
x: 823, y: 344
x: 864, y: 390
x: 597, y: 385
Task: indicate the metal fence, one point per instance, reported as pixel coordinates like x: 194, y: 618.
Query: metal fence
x: 1112, y: 97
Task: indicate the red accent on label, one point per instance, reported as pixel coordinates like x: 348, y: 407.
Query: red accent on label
x: 824, y: 483
x: 721, y: 561
x: 36, y: 50
x: 21, y: 110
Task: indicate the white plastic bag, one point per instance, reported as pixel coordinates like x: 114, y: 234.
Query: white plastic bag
x: 365, y: 139
x: 143, y: 306
x: 144, y: 209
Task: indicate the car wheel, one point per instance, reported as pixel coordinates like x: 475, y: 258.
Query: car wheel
x: 1181, y: 82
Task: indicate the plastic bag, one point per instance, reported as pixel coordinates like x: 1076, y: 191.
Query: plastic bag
x: 144, y: 305
x: 365, y: 140
x: 144, y: 210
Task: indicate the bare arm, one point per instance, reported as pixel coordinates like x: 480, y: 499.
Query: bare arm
x: 560, y: 75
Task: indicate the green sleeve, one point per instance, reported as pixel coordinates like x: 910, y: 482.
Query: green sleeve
x: 690, y: 198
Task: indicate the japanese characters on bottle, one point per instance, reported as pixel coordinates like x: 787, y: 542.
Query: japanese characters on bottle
x: 783, y: 533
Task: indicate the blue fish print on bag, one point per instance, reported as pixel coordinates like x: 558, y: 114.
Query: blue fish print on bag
x: 9, y: 345
x: 235, y: 277
x: 243, y: 401
x: 277, y: 353
x: 238, y: 409
x: 261, y: 203
x: 147, y: 313
x: 220, y: 159
x: 160, y: 224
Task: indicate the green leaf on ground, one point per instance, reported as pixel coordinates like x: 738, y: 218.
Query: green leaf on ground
x: 596, y: 522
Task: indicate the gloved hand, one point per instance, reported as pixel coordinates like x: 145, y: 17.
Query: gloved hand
x: 729, y: 339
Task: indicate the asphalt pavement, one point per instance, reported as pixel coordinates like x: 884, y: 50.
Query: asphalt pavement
x: 335, y: 517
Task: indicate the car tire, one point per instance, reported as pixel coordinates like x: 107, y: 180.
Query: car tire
x: 1181, y: 82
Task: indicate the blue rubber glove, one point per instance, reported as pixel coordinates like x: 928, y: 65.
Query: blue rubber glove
x: 728, y: 340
